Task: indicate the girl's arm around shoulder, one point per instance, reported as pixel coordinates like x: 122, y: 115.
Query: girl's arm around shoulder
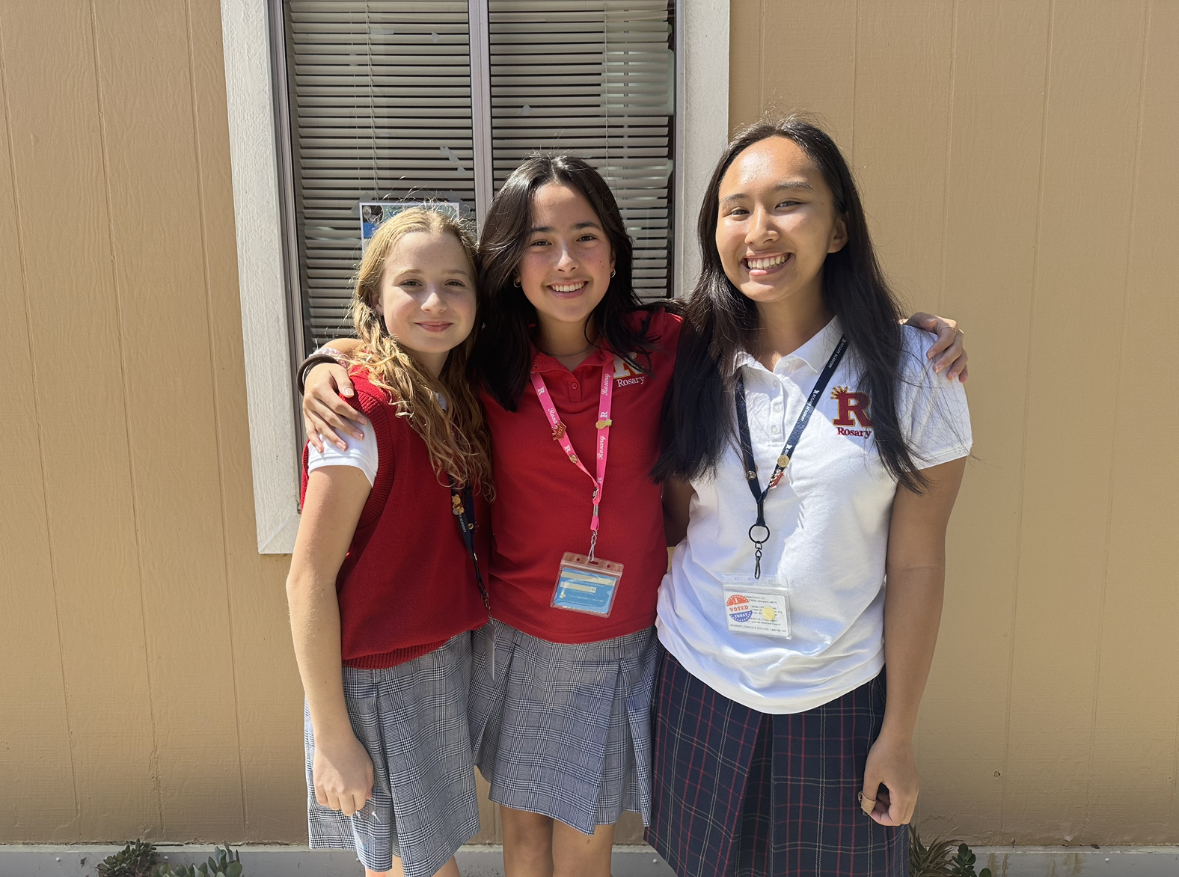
x: 948, y: 351
x: 326, y: 414
x: 916, y: 568
x: 332, y: 505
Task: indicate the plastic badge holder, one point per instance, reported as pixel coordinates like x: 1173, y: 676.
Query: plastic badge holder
x: 585, y: 585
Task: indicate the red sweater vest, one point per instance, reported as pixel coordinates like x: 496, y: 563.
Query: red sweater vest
x: 407, y: 584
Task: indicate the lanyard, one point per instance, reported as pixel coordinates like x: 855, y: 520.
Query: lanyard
x: 462, y: 503
x: 759, y: 495
x: 603, y: 444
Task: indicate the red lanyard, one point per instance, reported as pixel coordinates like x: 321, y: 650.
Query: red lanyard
x: 603, y: 445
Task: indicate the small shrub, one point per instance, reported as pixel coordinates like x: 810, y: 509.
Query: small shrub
x: 940, y: 859
x: 137, y: 859
x: 962, y: 865
x: 226, y: 863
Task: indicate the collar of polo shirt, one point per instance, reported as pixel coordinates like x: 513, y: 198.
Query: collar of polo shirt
x: 542, y: 362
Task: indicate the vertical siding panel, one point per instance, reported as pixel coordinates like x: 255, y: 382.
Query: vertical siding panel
x: 146, y: 104
x: 1131, y: 786
x: 270, y: 697
x: 745, y: 63
x: 49, y: 65
x: 902, y: 95
x: 1081, y: 274
x: 992, y: 200
x: 809, y: 64
x: 36, y: 770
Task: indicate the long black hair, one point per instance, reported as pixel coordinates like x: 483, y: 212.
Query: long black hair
x: 502, y: 355
x: 698, y: 410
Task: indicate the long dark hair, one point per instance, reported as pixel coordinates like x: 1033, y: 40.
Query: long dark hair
x: 503, y: 355
x: 698, y: 411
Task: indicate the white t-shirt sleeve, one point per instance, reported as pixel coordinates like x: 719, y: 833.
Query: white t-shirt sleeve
x: 361, y: 454
x: 933, y: 411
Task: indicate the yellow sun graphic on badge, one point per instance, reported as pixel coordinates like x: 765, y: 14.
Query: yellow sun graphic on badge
x: 768, y: 613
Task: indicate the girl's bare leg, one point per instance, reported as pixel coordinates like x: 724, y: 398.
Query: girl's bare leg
x: 450, y: 869
x: 579, y: 855
x: 528, y: 843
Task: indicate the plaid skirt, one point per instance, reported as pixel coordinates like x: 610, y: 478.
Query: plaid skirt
x: 565, y: 730
x: 740, y: 792
x: 412, y: 719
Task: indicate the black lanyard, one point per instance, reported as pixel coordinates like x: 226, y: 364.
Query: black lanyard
x: 759, y: 495
x: 462, y: 503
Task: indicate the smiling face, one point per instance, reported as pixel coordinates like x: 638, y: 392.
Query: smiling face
x: 777, y: 222
x: 565, y: 269
x: 427, y: 296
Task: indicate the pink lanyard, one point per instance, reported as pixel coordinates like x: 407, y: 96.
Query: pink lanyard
x: 603, y: 425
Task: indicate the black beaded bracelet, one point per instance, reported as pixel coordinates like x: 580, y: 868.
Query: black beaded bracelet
x: 309, y: 363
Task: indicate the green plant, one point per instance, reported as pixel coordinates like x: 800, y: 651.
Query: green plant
x: 962, y: 865
x: 226, y: 864
x: 137, y: 859
x: 940, y: 859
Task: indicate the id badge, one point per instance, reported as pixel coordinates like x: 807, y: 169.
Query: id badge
x: 762, y: 611
x: 585, y: 585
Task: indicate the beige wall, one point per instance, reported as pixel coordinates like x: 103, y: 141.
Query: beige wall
x: 1018, y: 161
x: 147, y: 685
x: 1020, y: 164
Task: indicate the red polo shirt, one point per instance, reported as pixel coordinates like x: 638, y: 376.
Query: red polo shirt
x: 543, y: 501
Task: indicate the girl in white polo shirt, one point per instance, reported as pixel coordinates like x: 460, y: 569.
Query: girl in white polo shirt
x: 810, y: 454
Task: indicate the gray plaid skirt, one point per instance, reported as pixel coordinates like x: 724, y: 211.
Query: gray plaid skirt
x: 412, y: 719
x: 565, y: 730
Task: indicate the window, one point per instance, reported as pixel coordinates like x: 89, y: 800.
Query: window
x: 393, y: 99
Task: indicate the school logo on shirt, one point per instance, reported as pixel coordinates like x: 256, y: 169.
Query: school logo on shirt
x: 853, y: 411
x: 624, y: 373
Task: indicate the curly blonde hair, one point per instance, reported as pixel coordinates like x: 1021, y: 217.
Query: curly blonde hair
x: 456, y: 435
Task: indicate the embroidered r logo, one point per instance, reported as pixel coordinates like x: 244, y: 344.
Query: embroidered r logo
x: 853, y: 408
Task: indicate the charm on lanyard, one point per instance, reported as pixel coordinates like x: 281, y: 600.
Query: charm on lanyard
x: 585, y: 583
x: 462, y: 504
x: 759, y: 533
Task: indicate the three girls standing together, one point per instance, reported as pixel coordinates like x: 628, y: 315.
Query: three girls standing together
x: 791, y: 439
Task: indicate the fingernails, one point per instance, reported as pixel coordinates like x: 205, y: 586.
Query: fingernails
x: 347, y: 391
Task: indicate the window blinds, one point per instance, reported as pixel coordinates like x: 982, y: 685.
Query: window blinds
x: 595, y: 77
x: 380, y: 108
x: 380, y: 96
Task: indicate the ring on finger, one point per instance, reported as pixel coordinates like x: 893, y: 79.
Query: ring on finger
x: 866, y: 804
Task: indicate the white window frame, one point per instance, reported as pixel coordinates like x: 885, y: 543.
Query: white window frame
x: 270, y: 343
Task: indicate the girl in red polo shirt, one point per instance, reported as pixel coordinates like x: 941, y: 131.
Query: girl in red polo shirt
x: 382, y: 587
x: 573, y: 371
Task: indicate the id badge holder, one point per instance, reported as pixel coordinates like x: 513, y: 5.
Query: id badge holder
x: 585, y: 585
x: 762, y: 609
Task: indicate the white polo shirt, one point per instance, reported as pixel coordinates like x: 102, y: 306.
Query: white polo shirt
x: 811, y: 628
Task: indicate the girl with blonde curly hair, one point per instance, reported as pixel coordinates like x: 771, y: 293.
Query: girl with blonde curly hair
x: 384, y: 586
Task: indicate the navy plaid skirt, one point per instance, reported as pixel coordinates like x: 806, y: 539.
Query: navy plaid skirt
x: 412, y: 719
x: 565, y: 730
x: 742, y: 793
